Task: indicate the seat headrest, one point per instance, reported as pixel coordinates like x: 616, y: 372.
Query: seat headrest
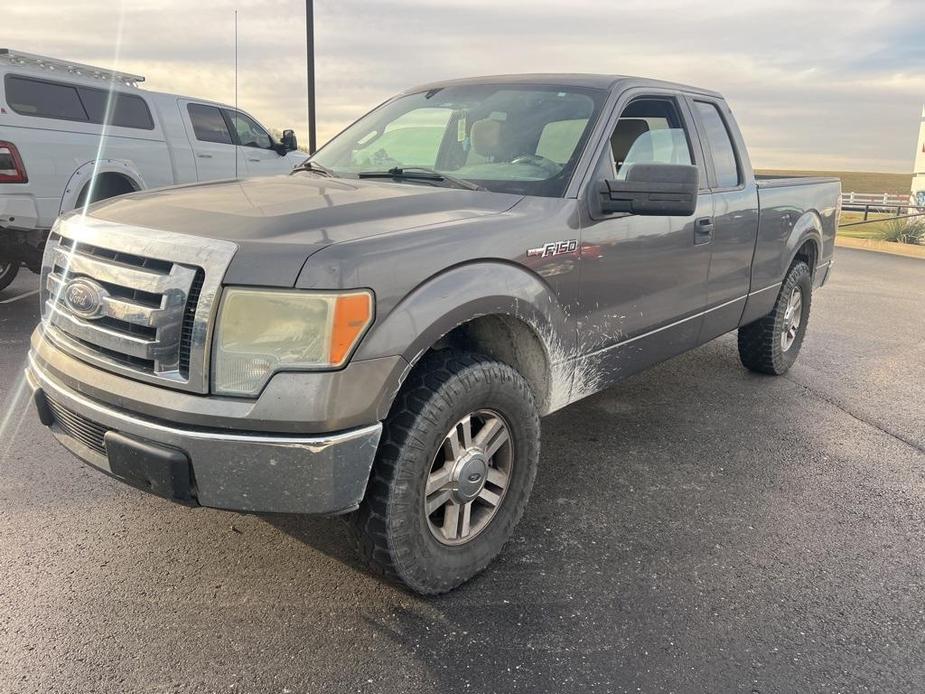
x: 485, y: 136
x: 626, y: 133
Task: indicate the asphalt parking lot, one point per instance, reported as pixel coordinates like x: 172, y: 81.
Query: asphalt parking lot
x: 698, y: 529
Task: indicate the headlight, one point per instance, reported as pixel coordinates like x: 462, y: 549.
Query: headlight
x: 262, y: 331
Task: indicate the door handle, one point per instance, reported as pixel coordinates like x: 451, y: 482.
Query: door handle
x: 703, y: 230
x: 202, y: 155
x: 252, y: 159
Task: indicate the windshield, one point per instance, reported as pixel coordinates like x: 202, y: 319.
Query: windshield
x: 506, y: 138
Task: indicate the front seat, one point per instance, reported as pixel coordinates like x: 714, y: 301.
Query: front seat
x: 485, y: 136
x: 625, y: 135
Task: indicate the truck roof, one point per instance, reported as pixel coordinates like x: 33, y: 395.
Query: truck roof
x: 576, y: 79
x: 44, y: 67
x: 67, y: 68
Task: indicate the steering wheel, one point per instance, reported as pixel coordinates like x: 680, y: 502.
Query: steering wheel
x: 538, y: 161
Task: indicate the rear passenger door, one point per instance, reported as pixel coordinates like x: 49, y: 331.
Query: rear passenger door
x: 214, y: 149
x: 644, y: 278
x: 735, y: 215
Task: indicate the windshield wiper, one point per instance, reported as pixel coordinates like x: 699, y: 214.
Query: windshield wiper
x: 421, y: 173
x: 312, y: 167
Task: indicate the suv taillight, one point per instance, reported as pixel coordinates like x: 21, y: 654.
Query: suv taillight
x: 11, y: 168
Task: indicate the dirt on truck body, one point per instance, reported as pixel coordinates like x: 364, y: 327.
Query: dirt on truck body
x: 378, y: 333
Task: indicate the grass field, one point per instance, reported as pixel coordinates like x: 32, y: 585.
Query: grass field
x: 864, y: 231
x: 858, y: 181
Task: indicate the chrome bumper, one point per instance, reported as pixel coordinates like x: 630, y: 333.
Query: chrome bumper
x: 255, y: 472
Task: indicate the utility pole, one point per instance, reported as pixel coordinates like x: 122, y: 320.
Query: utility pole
x: 310, y: 54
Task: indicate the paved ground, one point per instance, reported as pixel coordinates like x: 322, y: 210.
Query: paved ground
x: 699, y: 529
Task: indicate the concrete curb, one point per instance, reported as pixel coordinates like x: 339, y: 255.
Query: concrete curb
x: 904, y: 249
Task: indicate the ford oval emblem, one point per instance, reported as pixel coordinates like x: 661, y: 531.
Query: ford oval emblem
x: 84, y: 297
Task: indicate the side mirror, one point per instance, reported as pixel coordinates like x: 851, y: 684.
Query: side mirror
x: 289, y: 141
x: 668, y: 190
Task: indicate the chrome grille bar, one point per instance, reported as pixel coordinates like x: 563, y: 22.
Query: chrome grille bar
x: 114, y: 272
x: 154, y: 298
x: 119, y: 309
x: 98, y: 335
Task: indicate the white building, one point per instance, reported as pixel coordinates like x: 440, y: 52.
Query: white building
x: 918, y: 179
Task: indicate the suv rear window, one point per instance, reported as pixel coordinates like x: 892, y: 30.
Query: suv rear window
x: 43, y: 99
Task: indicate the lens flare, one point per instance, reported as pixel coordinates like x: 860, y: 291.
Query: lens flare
x: 17, y: 403
x: 15, y: 411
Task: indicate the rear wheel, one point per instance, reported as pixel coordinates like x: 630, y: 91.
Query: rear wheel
x: 453, y: 472
x: 771, y: 345
x: 8, y: 271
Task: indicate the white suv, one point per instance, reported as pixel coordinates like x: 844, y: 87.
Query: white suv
x: 64, y: 142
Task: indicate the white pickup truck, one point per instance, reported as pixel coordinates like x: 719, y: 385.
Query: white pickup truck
x: 73, y: 134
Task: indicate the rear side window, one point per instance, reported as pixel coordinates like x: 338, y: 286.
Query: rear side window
x: 44, y: 99
x: 208, y: 124
x: 31, y: 97
x: 126, y: 111
x: 724, y: 154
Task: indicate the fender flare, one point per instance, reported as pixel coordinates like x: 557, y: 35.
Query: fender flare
x: 85, y: 172
x: 807, y: 228
x: 461, y: 294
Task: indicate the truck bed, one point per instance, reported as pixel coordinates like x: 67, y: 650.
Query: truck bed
x: 765, y: 181
x: 787, y: 206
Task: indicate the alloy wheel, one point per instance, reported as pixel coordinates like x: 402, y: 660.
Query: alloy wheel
x: 469, y: 477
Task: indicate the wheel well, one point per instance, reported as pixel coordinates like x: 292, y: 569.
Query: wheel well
x: 510, y: 341
x: 808, y: 254
x: 106, y: 185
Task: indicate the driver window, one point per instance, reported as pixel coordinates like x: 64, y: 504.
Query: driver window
x: 649, y: 131
x: 249, y: 133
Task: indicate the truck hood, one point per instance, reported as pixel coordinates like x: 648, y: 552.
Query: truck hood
x: 279, y: 221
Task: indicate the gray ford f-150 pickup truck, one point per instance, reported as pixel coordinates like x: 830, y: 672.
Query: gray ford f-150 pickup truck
x: 380, y: 332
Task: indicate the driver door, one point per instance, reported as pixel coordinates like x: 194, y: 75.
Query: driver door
x: 260, y: 158
x: 644, y: 278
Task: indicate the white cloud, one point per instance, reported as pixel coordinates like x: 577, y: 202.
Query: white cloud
x: 815, y: 83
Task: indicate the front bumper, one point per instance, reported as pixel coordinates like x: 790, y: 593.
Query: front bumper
x: 242, y: 471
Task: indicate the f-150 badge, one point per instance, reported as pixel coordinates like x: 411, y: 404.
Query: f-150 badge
x: 553, y: 248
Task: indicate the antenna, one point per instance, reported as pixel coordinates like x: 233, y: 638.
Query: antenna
x: 235, y: 133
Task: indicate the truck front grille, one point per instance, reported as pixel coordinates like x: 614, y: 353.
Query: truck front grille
x: 78, y: 427
x: 136, y: 303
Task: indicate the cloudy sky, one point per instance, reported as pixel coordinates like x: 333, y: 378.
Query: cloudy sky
x: 817, y: 84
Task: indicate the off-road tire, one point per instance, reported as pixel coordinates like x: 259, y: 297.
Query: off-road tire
x: 8, y: 271
x: 390, y: 528
x: 760, y: 347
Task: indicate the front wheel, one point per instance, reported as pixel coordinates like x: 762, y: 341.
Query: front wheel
x: 453, y: 473
x: 8, y: 271
x: 771, y: 345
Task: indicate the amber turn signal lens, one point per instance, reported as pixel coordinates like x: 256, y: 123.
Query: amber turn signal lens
x: 352, y: 315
